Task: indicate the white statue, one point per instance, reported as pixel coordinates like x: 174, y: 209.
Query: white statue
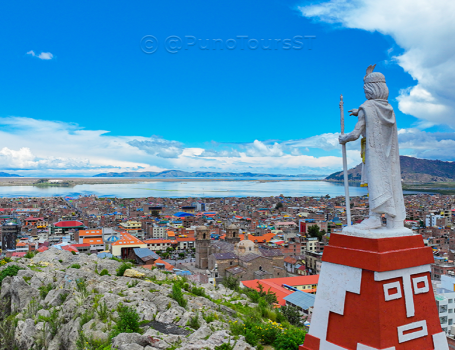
x: 381, y: 160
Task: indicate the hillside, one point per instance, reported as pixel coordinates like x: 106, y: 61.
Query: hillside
x: 197, y: 174
x: 413, y: 170
x: 2, y: 174
x: 57, y: 300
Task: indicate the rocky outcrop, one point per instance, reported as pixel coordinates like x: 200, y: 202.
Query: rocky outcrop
x: 58, y: 300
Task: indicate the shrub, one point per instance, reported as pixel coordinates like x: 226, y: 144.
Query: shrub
x: 127, y: 322
x: 52, y: 320
x: 81, y: 287
x: 193, y: 322
x: 209, y: 317
x: 292, y: 314
x: 269, y: 332
x: 89, y: 343
x: 121, y: 270
x: 237, y: 328
x: 63, y: 296
x: 32, y: 309
x: 102, y: 311
x: 29, y: 255
x: 44, y: 290
x: 177, y: 295
x: 290, y: 339
x: 132, y: 284
x: 86, y: 316
x: 9, y: 271
x: 226, y: 346
x: 75, y: 266
x: 74, y: 253
x: 251, y: 337
x: 231, y: 282
x: 198, y: 291
x: 104, y: 272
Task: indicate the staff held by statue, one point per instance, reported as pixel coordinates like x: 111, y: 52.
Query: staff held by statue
x: 345, y: 167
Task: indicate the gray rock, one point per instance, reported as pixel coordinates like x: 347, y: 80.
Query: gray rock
x: 130, y: 338
x: 130, y: 347
x: 54, y: 297
x: 171, y: 315
x: 43, y: 312
x: 24, y: 334
x: 201, y: 333
x: 20, y: 292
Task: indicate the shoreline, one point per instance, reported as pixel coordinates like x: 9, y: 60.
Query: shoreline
x: 75, y: 181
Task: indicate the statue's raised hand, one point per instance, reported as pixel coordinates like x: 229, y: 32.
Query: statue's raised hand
x: 354, y: 111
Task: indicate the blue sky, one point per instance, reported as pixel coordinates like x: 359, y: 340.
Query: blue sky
x: 79, y: 96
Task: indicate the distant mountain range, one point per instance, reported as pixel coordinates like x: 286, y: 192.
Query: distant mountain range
x: 413, y: 170
x: 2, y: 174
x: 200, y: 174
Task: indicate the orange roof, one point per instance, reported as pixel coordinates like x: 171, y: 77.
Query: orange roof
x: 128, y: 239
x: 296, y: 280
x: 171, y: 233
x: 21, y: 244
x: 149, y: 241
x: 276, y: 285
x: 260, y: 239
x: 92, y: 241
x: 90, y: 233
x: 167, y: 266
x: 280, y: 292
x: 185, y: 239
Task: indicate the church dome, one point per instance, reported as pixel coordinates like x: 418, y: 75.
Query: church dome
x: 202, y: 228
x: 232, y: 227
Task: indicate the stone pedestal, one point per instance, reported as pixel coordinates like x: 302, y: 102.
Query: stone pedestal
x: 375, y: 294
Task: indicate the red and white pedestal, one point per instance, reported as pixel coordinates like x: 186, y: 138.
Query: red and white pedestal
x: 375, y: 294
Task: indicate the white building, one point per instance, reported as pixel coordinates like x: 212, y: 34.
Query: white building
x: 445, y: 297
x: 159, y: 232
x: 430, y: 220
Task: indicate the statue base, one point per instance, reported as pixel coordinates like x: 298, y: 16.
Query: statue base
x: 381, y: 232
x: 375, y: 294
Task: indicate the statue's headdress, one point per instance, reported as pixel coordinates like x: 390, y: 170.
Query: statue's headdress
x: 373, y: 77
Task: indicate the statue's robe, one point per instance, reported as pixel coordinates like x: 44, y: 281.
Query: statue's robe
x: 381, y: 170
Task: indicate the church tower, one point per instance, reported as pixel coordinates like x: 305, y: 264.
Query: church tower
x: 232, y: 234
x: 202, y: 247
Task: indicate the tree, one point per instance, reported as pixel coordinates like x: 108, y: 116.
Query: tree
x: 314, y: 231
x: 292, y: 314
x: 279, y: 206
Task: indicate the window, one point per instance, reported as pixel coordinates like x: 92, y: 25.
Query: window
x: 450, y: 311
x: 230, y: 263
x: 450, y: 301
x: 450, y: 321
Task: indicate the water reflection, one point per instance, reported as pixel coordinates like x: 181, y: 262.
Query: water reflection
x: 189, y: 189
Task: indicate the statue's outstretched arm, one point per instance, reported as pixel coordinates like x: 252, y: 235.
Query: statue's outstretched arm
x: 358, y: 130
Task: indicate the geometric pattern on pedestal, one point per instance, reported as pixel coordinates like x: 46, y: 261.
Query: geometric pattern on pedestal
x: 357, y: 309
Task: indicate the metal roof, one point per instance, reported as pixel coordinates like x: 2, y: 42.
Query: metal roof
x: 301, y: 299
x: 145, y: 254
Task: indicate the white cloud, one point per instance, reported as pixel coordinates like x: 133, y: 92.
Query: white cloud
x: 423, y: 144
x: 260, y: 149
x: 327, y: 142
x: 159, y: 147
x: 42, y: 55
x: 424, y: 29
x: 39, y: 147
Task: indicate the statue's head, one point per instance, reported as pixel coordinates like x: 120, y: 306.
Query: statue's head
x: 374, y: 85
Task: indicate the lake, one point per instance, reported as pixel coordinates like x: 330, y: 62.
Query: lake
x: 180, y: 189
